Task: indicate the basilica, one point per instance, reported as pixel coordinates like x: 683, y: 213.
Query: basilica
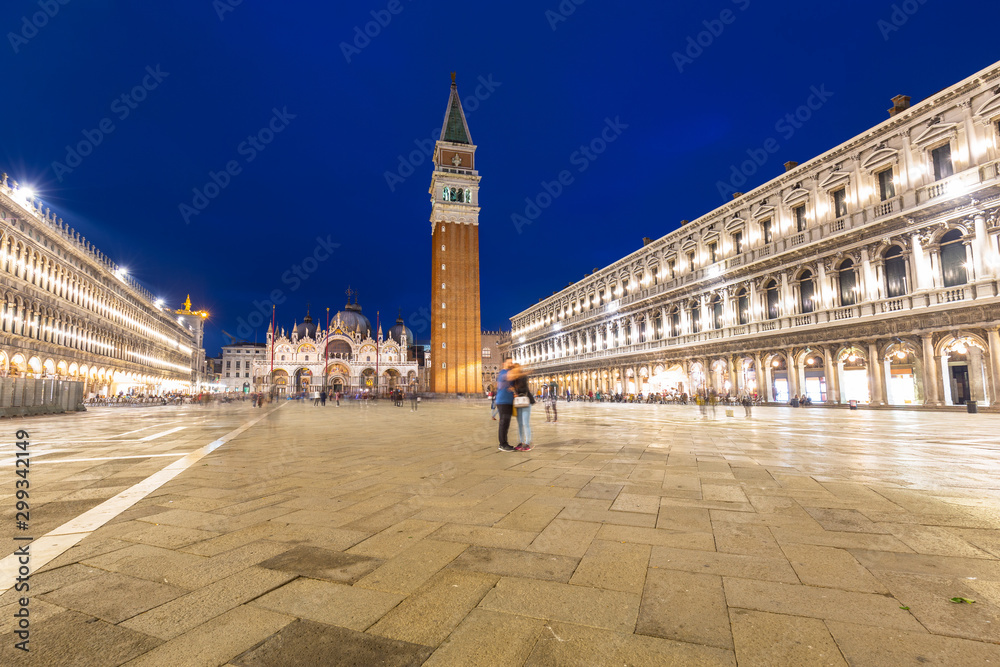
x: 344, y: 356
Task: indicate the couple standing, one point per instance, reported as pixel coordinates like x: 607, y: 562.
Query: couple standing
x: 512, y: 387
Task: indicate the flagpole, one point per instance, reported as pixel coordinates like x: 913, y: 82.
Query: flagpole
x: 378, y: 328
x: 273, y: 334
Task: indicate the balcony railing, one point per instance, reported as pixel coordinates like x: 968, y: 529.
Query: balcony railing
x: 897, y: 305
x: 885, y: 208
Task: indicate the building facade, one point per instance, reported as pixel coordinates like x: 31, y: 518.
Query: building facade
x: 344, y: 357
x: 236, y: 367
x: 492, y: 357
x: 455, y: 317
x: 69, y: 312
x: 869, y: 274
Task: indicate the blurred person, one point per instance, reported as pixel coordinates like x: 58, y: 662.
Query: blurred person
x: 518, y: 379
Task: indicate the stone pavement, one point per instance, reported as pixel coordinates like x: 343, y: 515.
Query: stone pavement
x: 630, y: 535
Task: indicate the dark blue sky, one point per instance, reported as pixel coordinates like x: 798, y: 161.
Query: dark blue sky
x: 554, y: 82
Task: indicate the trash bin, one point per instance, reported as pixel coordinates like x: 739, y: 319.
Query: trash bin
x: 972, y: 407
x: 853, y: 404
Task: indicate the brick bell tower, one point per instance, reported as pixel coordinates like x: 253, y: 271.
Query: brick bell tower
x: 456, y: 349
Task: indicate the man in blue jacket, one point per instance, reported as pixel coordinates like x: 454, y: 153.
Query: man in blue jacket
x: 505, y: 406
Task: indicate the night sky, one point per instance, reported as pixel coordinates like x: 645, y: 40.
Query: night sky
x: 684, y: 90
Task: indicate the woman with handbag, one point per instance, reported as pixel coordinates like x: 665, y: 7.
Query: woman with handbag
x: 522, y: 403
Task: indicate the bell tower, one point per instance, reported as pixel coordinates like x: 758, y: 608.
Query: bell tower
x: 456, y: 349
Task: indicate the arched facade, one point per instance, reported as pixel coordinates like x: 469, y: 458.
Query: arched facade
x: 862, y: 275
x: 341, y: 358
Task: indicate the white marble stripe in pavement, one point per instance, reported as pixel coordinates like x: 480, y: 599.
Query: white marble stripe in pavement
x: 48, y: 547
x: 160, y: 435
x: 114, y: 458
x: 122, y: 435
x: 34, y: 453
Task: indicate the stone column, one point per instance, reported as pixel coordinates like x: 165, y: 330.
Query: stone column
x: 822, y: 292
x: 931, y: 365
x: 977, y: 391
x: 793, y: 372
x: 758, y: 373
x: 923, y: 279
x: 868, y: 287
x: 981, y: 246
x: 993, y: 337
x: 971, y: 269
x: 876, y: 375
x: 832, y: 381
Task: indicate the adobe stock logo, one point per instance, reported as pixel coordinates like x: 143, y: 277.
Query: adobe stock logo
x: 122, y: 107
x: 363, y: 37
x: 696, y: 44
x: 581, y: 159
x: 248, y: 149
x: 786, y: 126
x: 31, y: 26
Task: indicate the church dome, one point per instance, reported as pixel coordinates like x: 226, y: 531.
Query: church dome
x: 397, y: 331
x: 353, y: 321
x: 307, y: 329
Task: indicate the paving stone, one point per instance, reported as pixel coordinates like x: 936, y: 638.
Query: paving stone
x: 929, y: 600
x: 824, y: 603
x: 764, y: 639
x: 933, y: 540
x: 657, y: 537
x: 395, y: 539
x: 317, y: 563
x: 723, y: 564
x: 515, y: 563
x: 217, y: 641
x: 112, y: 597
x: 684, y: 519
x: 564, y: 602
x: 306, y: 644
x: 430, y: 614
x: 685, y: 607
x: 482, y: 536
x: 566, y: 644
x: 831, y: 568
x: 746, y: 539
x: 987, y: 540
x: 410, y: 569
x: 488, y: 639
x: 632, y: 502
x: 529, y: 517
x: 614, y: 566
x: 326, y: 602
x: 565, y: 538
x: 602, y: 491
x: 791, y: 535
x: 608, y: 516
x: 71, y: 638
x: 189, y: 611
x: 50, y: 580
x: 38, y: 611
x: 872, y: 647
x: 934, y: 565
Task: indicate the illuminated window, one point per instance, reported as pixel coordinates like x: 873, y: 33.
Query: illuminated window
x: 487, y: 353
x: 799, y: 213
x: 886, y: 189
x: 941, y: 158
x: 765, y: 228
x: 840, y: 202
x: 713, y: 252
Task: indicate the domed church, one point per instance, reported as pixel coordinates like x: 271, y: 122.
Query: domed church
x: 342, y: 357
